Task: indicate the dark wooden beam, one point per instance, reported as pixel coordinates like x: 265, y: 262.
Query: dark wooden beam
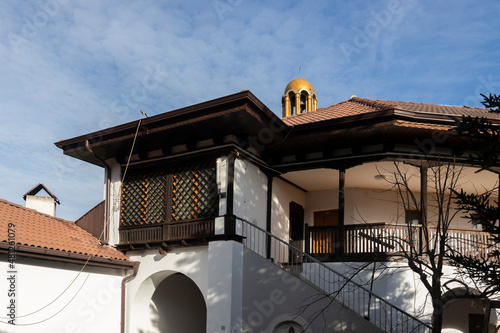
x: 166, y: 150
x: 143, y: 154
x: 338, y: 235
x: 268, y: 213
x: 423, y: 206
x: 190, y: 145
x: 230, y: 184
x: 293, y: 184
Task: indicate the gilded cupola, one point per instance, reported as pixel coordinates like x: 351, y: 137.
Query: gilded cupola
x: 299, y: 97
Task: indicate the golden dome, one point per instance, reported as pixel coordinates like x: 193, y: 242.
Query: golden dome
x: 298, y: 85
x: 299, y: 97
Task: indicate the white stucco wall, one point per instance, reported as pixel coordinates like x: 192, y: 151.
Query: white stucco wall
x: 222, y: 175
x: 44, y: 205
x: 283, y: 194
x: 216, y: 270
x: 56, y: 297
x: 115, y: 197
x: 250, y: 192
x: 371, y: 206
x: 272, y: 296
x: 398, y: 284
x: 154, y: 268
x: 225, y: 286
x: 320, y: 200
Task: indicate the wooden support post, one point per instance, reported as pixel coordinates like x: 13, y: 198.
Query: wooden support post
x: 339, y: 236
x: 230, y: 184
x: 423, y: 209
x: 307, y: 244
x: 269, y: 214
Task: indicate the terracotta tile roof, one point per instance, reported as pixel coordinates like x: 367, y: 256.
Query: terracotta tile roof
x: 438, y: 127
x: 38, y: 230
x: 358, y: 106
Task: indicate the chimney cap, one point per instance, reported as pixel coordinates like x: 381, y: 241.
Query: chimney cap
x: 37, y: 189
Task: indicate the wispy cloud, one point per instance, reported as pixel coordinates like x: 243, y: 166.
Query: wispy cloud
x: 72, y: 67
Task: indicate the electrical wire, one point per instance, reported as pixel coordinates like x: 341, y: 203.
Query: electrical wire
x: 248, y: 156
x: 86, y: 262
x: 55, y: 314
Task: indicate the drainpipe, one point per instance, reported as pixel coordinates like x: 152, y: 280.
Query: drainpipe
x: 123, y: 300
x: 108, y: 186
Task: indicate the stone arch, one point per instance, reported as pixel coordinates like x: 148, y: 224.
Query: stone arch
x: 288, y: 327
x: 287, y: 323
x: 168, y: 301
x: 461, y: 310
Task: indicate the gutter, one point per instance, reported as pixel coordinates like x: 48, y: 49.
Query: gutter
x: 108, y: 186
x: 27, y: 251
x: 126, y: 279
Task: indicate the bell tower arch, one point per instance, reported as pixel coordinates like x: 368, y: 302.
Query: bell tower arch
x: 299, y: 97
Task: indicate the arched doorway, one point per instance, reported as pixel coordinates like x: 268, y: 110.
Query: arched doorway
x: 288, y: 327
x: 296, y: 235
x: 463, y: 314
x: 169, y: 303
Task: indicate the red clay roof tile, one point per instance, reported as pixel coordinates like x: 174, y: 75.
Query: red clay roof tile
x: 39, y: 230
x: 358, y: 106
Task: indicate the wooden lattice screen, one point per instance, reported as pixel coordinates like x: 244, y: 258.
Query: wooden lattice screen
x: 193, y: 195
x: 144, y: 199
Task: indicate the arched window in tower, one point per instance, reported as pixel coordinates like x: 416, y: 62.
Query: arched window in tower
x: 303, y: 100
x: 299, y: 97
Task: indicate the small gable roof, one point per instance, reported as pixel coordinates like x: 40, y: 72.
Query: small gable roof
x: 35, y: 231
x: 37, y: 189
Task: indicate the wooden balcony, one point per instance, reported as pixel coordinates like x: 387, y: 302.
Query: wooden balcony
x: 378, y: 241
x: 192, y: 232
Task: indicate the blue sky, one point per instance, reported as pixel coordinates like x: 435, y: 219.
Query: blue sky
x: 73, y: 67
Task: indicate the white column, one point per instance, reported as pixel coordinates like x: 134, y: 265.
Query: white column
x: 115, y: 198
x: 225, y: 287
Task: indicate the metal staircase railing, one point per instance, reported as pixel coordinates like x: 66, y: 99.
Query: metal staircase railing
x: 378, y: 311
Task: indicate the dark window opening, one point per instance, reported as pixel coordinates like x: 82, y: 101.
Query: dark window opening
x: 412, y: 216
x: 476, y: 323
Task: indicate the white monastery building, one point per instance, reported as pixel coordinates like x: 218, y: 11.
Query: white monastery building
x: 223, y: 217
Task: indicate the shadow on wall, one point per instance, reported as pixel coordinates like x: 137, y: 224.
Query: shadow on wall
x: 274, y: 299
x: 250, y: 192
x: 393, y: 281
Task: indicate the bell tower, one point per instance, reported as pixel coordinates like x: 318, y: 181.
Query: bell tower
x: 299, y: 97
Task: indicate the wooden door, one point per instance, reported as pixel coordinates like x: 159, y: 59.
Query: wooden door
x: 324, y: 240
x: 296, y: 228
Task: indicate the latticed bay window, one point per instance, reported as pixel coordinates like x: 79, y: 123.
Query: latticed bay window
x: 144, y: 199
x: 194, y: 193
x: 186, y: 193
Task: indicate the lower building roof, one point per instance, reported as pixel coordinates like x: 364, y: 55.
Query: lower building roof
x: 40, y: 233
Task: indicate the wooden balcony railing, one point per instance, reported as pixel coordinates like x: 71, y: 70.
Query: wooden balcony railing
x: 332, y: 242
x: 173, y: 232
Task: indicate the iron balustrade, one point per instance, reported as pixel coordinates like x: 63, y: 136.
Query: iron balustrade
x: 327, y: 281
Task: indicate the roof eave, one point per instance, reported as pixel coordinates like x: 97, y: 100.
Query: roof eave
x: 67, y: 257
x: 75, y: 147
